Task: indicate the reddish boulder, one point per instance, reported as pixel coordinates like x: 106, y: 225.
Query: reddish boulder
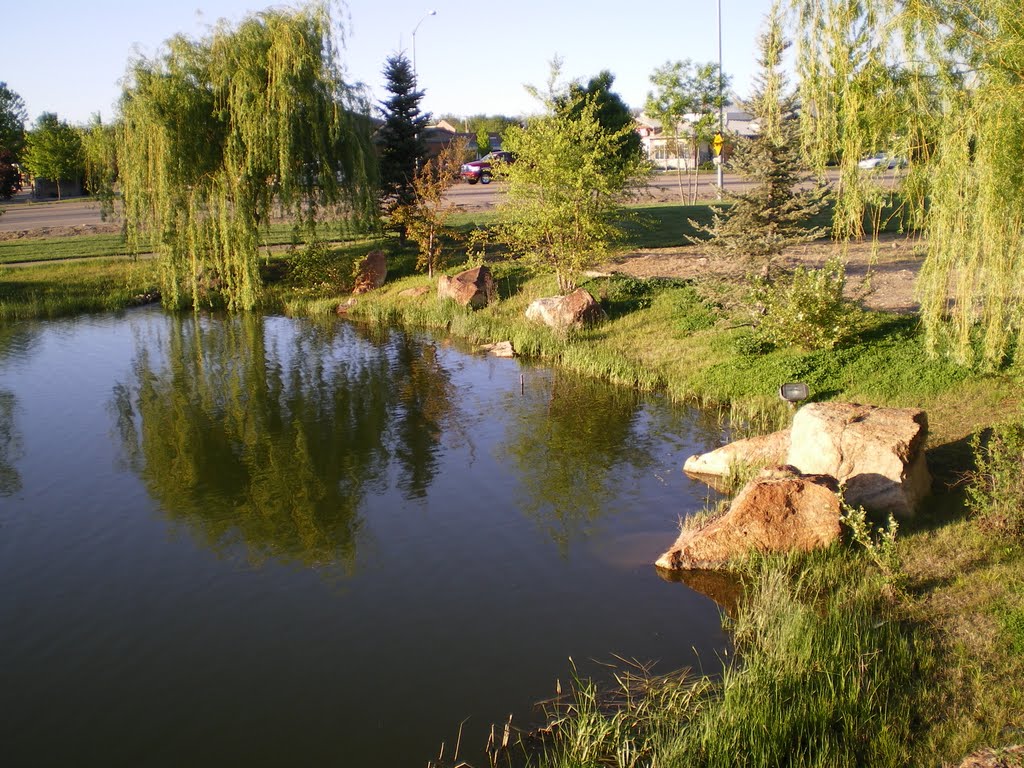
x: 778, y: 511
x: 471, y: 288
x: 371, y: 272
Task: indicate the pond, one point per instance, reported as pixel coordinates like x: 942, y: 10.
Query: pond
x: 266, y: 541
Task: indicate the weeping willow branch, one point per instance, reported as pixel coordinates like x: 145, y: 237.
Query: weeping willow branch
x: 216, y: 132
x: 941, y: 83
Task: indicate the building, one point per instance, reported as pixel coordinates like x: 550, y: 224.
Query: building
x: 666, y: 151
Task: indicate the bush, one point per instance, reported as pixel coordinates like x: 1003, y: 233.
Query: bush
x: 809, y: 310
x: 995, y: 494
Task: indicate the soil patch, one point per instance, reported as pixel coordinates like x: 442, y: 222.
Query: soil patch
x: 880, y: 276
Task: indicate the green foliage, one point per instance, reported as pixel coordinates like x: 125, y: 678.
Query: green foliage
x: 562, y: 211
x: 996, y: 489
x: 763, y: 221
x: 99, y: 151
x: 937, y: 84
x: 425, y: 218
x: 401, y: 148
x: 13, y: 117
x: 218, y: 133
x: 807, y: 310
x: 625, y: 149
x: 693, y: 93
x: 54, y: 151
x: 879, y: 544
x: 829, y: 675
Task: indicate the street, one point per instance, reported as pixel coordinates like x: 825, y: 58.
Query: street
x: 23, y: 214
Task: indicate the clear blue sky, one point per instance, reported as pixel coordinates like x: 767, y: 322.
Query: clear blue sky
x: 68, y: 56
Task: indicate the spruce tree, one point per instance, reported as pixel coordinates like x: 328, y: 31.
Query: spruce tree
x: 772, y: 215
x: 402, y: 148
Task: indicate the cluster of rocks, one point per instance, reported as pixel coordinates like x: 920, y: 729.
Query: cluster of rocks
x: 874, y: 455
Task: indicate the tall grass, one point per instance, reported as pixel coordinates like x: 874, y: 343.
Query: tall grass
x: 67, y: 289
x: 828, y: 673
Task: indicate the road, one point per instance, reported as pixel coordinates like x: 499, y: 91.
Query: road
x: 23, y: 214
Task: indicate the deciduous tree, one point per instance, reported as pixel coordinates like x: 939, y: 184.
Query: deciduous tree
x: 425, y: 218
x: 53, y: 151
x: 563, y: 209
x: 215, y: 132
x: 13, y: 117
x: 939, y: 85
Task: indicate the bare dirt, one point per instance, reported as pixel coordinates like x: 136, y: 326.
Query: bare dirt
x: 880, y: 276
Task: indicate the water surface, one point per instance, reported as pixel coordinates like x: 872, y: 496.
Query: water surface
x: 267, y: 541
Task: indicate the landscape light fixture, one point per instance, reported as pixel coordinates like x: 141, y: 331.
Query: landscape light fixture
x: 428, y: 15
x: 793, y: 392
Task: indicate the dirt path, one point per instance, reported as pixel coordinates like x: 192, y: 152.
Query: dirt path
x: 881, y: 277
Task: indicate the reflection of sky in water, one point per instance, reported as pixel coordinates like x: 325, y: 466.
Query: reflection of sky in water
x: 138, y: 642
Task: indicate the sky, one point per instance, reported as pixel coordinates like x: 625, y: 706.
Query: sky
x: 69, y: 56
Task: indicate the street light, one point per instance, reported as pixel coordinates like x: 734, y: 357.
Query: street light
x: 721, y: 106
x: 429, y: 14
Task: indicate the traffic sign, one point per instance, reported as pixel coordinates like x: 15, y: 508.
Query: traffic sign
x: 717, y: 143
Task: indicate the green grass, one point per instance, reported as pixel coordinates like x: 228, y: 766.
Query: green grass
x: 64, y: 289
x: 115, y: 244
x: 831, y: 673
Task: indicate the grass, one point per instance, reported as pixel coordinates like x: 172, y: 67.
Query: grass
x: 66, y: 289
x: 24, y: 250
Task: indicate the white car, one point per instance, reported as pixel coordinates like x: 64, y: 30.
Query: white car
x: 881, y: 160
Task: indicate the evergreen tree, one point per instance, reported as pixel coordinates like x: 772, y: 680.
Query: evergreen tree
x: 402, y: 149
x: 772, y: 215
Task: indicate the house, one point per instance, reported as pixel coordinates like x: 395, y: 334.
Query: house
x: 437, y: 137
x: 665, y: 151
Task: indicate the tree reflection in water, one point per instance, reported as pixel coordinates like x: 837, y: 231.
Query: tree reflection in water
x: 10, y: 445
x: 270, y: 433
x: 567, y: 441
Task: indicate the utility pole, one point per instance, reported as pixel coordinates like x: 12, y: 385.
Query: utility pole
x: 721, y: 107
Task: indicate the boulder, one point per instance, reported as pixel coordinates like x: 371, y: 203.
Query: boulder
x: 780, y: 510
x: 345, y: 306
x: 419, y: 290
x: 578, y: 308
x: 877, y: 453
x: 500, y: 349
x: 759, y: 451
x: 1007, y: 757
x: 371, y: 272
x: 471, y: 288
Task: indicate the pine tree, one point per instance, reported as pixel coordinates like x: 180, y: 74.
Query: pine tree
x: 772, y: 215
x: 402, y: 149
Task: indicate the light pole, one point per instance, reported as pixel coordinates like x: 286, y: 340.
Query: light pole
x: 721, y: 107
x: 429, y: 14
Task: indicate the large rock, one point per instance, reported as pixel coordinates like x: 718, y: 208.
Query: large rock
x: 877, y: 453
x: 1007, y: 757
x: 371, y: 272
x: 471, y: 288
x: 760, y: 451
x: 778, y: 511
x: 578, y: 308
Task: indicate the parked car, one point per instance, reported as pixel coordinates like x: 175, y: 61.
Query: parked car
x: 480, y: 170
x: 879, y: 161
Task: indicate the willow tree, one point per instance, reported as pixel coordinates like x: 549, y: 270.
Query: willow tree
x: 942, y: 84
x: 215, y: 132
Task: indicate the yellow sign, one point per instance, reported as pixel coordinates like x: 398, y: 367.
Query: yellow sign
x: 717, y: 143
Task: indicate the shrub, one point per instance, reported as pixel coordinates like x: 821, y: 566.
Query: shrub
x: 807, y: 311
x: 995, y: 493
